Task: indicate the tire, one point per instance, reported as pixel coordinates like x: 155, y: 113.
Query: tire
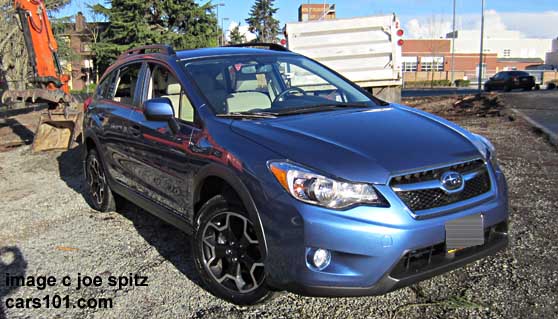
x: 487, y: 88
x: 99, y: 194
x: 527, y: 89
x: 507, y: 88
x: 225, y: 240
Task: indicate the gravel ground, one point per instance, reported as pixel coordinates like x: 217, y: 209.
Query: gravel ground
x: 48, y: 229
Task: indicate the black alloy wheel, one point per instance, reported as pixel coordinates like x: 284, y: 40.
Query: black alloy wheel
x: 228, y: 253
x: 98, y: 190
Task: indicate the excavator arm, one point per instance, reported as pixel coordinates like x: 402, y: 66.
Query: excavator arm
x: 41, y: 44
x: 60, y: 125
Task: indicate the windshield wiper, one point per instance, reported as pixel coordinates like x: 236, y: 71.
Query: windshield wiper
x: 249, y: 115
x: 320, y: 108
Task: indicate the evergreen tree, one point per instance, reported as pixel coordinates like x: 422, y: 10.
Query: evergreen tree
x: 261, y: 21
x: 236, y: 37
x: 183, y: 24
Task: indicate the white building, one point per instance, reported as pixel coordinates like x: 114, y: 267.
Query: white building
x: 552, y: 56
x: 507, y: 44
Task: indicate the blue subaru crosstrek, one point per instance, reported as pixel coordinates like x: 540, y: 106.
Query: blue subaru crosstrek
x: 289, y: 176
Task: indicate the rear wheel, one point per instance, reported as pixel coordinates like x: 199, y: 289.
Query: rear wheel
x: 228, y: 254
x: 99, y: 194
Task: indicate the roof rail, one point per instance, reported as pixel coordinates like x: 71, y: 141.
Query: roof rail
x: 260, y: 45
x: 154, y: 48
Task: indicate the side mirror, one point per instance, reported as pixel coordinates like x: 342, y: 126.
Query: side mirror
x: 160, y: 110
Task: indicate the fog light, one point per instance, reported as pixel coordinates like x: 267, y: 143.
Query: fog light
x: 321, y: 258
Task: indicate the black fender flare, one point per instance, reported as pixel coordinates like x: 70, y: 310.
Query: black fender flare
x: 231, y: 178
x: 90, y: 134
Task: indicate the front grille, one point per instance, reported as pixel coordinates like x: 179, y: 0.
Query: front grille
x: 420, y: 260
x: 436, y: 197
x: 422, y: 199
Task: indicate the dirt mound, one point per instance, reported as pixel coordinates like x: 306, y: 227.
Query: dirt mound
x: 452, y: 107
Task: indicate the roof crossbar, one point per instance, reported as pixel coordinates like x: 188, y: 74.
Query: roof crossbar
x: 154, y: 48
x: 260, y: 45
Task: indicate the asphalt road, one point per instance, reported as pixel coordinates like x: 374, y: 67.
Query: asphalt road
x: 540, y: 108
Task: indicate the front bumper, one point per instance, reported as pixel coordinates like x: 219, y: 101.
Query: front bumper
x: 395, y: 279
x: 372, y: 248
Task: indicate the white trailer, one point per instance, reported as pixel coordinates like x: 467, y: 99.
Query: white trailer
x: 366, y: 50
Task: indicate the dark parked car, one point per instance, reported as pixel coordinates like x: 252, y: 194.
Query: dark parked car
x: 509, y: 80
x: 289, y: 176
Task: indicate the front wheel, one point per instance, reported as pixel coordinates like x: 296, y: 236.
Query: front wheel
x: 99, y: 194
x: 228, y: 254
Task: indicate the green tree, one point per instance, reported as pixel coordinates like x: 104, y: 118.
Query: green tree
x: 261, y: 21
x: 183, y: 24
x: 236, y: 37
x: 60, y: 28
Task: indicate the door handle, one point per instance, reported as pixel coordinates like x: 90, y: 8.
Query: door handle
x: 135, y: 130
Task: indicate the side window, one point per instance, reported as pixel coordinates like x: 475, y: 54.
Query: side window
x: 125, y: 83
x: 164, y: 84
x: 103, y: 89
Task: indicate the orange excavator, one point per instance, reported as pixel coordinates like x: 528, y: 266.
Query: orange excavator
x: 60, y: 125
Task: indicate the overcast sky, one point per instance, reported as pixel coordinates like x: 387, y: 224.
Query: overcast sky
x: 421, y: 18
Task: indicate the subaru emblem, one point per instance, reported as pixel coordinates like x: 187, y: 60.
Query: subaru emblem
x: 451, y: 181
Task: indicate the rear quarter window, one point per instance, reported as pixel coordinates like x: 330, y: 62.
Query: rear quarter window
x: 104, y: 88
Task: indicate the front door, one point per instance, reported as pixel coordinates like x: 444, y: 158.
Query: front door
x: 166, y: 163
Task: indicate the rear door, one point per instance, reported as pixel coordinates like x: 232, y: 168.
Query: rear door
x: 114, y: 105
x: 166, y: 163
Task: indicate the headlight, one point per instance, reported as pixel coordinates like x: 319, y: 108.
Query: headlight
x: 488, y: 150
x: 317, y: 189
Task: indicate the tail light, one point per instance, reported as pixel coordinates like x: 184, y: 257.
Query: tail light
x: 400, y: 42
x: 400, y: 32
x: 86, y: 103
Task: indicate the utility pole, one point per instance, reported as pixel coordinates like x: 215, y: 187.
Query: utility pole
x: 453, y: 32
x: 481, y: 48
x: 220, y: 4
x: 223, y: 29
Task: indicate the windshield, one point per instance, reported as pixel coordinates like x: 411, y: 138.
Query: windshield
x: 271, y: 85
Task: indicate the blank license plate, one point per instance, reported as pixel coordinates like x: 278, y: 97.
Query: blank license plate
x: 465, y: 232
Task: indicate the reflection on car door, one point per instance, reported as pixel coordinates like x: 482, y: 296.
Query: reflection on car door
x: 166, y: 164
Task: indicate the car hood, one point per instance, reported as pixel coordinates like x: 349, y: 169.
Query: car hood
x: 364, y: 145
